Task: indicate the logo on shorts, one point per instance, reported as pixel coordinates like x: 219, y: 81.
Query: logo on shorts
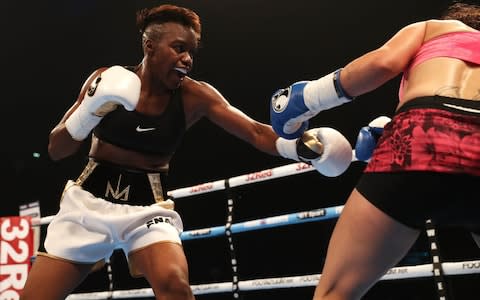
x: 157, y: 220
x: 117, y: 194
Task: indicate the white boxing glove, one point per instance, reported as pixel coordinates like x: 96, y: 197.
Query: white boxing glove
x: 114, y: 86
x: 325, y: 148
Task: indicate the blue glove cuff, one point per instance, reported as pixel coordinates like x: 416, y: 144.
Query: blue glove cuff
x: 338, y: 86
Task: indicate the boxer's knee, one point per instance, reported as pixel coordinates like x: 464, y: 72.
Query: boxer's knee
x: 173, y: 283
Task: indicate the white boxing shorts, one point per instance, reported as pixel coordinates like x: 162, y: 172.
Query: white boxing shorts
x: 88, y: 229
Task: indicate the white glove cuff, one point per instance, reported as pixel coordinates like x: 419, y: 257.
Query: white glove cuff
x: 287, y: 148
x: 325, y: 93
x: 80, y: 123
x: 379, y: 122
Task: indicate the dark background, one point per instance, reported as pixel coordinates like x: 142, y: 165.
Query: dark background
x: 250, y: 48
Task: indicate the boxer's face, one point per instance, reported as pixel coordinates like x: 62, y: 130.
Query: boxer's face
x: 171, y: 54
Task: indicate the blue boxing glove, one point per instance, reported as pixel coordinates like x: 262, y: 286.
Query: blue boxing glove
x: 292, y: 107
x: 368, y: 138
x: 286, y: 105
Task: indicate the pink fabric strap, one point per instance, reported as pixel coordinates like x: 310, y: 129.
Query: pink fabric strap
x: 460, y: 45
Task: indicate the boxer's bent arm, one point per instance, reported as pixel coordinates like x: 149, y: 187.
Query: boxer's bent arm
x: 60, y: 142
x: 113, y: 86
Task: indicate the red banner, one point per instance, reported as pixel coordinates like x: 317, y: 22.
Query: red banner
x: 16, y: 250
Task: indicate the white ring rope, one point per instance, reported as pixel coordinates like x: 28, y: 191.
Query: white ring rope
x: 268, y: 174
x: 418, y: 271
x: 403, y: 272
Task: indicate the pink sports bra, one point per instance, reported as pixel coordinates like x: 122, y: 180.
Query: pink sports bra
x: 463, y: 45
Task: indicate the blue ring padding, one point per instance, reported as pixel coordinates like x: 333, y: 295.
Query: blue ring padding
x: 271, y: 222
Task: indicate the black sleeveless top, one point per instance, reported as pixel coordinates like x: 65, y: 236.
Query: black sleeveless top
x: 135, y: 131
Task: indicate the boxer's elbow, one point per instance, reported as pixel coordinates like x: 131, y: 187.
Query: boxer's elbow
x: 61, y: 145
x: 387, y: 64
x: 55, y: 153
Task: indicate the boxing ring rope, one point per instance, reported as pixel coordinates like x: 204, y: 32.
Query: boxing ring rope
x: 419, y: 271
x: 236, y: 285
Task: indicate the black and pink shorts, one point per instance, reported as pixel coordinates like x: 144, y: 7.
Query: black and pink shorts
x: 427, y: 164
